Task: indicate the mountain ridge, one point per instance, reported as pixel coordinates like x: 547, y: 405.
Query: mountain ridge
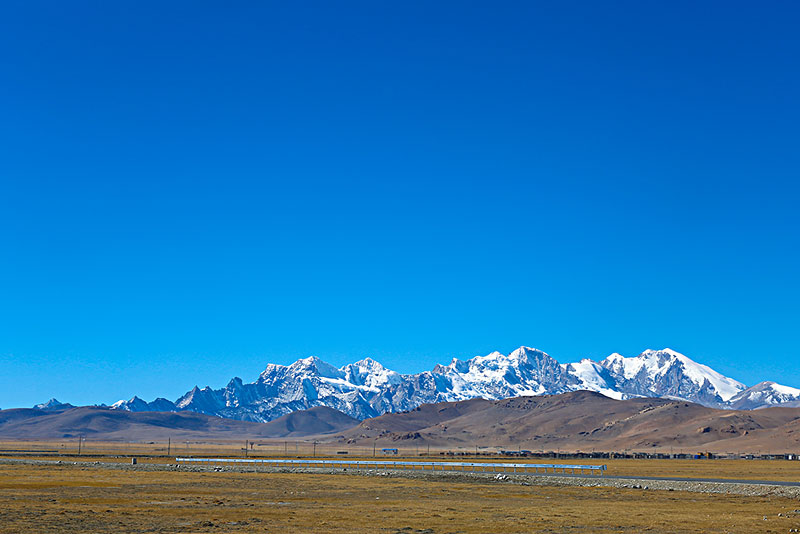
x: 574, y: 421
x: 106, y: 424
x: 366, y: 388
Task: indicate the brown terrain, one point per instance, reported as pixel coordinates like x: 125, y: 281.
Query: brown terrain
x: 585, y: 421
x: 102, y: 424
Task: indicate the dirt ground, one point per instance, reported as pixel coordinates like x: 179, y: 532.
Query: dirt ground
x: 80, y: 498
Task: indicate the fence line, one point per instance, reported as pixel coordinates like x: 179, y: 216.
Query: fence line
x: 482, y: 467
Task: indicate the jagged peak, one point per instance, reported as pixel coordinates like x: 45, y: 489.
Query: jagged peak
x: 497, y: 356
x: 665, y: 352
x: 188, y: 396
x: 525, y: 354
x: 648, y: 355
x: 127, y: 404
x: 656, y: 363
x: 52, y: 403
x: 235, y: 382
x: 778, y: 388
x: 364, y: 363
x: 494, y: 357
x: 527, y: 350
x: 316, y: 364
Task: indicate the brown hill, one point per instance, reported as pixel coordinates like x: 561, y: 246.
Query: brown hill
x: 115, y: 425
x: 585, y: 421
x: 314, y: 421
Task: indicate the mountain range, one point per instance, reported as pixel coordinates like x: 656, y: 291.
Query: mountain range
x: 367, y: 389
x: 574, y: 421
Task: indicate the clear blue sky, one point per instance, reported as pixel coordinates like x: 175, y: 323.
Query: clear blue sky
x: 191, y: 190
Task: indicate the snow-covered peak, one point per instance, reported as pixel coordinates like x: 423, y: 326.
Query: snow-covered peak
x: 766, y: 394
x: 653, y: 365
x: 523, y: 354
x: 494, y: 360
x: 316, y: 366
x: 525, y: 371
x: 134, y: 404
x: 369, y: 373
x: 497, y: 360
x: 456, y: 365
x: 53, y: 404
x: 492, y: 356
x: 592, y: 376
x: 784, y: 390
x: 367, y: 365
x: 654, y: 362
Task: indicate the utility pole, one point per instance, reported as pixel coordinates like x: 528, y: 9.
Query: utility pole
x: 285, y: 447
x: 169, y: 445
x: 373, y: 447
x: 80, y: 438
x: 245, y: 448
x: 315, y: 448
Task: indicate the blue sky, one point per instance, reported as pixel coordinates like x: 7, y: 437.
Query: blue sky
x: 191, y: 190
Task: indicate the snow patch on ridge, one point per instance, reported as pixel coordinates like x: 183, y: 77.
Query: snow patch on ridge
x: 590, y: 376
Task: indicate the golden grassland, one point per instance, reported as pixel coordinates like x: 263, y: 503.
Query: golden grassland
x: 83, y: 498
x: 778, y: 470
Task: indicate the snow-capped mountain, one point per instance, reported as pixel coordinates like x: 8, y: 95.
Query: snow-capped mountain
x: 367, y: 389
x: 138, y: 405
x: 670, y: 374
x: 53, y: 404
x: 766, y: 394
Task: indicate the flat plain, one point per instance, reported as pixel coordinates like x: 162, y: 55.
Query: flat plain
x: 80, y: 495
x: 155, y: 452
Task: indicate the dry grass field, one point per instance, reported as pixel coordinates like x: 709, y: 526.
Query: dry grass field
x: 84, y: 498
x: 780, y: 470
